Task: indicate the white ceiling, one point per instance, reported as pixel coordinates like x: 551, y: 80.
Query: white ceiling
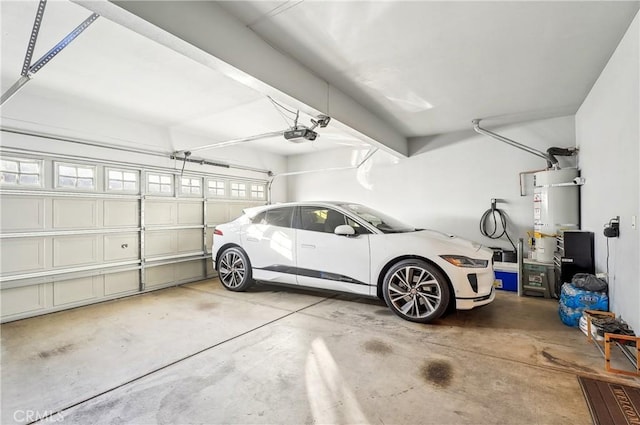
x: 422, y: 67
x: 431, y: 67
x: 111, y: 69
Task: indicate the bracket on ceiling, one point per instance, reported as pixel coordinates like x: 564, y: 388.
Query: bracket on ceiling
x: 322, y: 122
x: 29, y: 69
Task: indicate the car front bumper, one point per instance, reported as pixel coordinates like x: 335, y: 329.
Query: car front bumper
x: 469, y: 303
x: 474, y: 288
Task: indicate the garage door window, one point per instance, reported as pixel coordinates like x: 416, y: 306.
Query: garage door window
x: 216, y: 187
x: 257, y: 191
x: 122, y: 180
x: 160, y: 184
x: 238, y: 190
x: 190, y: 186
x: 23, y: 172
x: 74, y: 176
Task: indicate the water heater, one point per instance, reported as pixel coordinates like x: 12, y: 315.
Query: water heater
x: 556, y: 203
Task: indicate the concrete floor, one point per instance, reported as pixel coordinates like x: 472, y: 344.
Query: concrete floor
x: 199, y: 354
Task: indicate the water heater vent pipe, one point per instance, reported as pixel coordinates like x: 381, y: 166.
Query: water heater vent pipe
x: 551, y: 160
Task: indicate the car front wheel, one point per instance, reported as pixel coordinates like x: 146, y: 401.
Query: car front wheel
x: 234, y: 270
x: 416, y: 290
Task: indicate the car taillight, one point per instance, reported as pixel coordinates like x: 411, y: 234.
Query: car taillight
x: 217, y: 232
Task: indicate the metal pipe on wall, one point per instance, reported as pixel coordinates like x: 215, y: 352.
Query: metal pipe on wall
x: 520, y: 256
x: 522, y: 174
x: 547, y: 157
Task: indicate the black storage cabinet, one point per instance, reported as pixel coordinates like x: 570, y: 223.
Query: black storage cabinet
x: 574, y: 255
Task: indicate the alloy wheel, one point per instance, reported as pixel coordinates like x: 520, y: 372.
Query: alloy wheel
x: 232, y: 269
x: 414, y: 291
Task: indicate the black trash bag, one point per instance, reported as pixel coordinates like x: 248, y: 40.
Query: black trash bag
x: 589, y: 282
x: 611, y: 325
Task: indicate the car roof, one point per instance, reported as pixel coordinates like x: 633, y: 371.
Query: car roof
x: 252, y: 211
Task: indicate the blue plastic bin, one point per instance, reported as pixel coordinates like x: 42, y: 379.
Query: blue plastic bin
x: 507, y: 281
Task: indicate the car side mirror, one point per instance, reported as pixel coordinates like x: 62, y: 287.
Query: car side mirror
x: 344, y: 230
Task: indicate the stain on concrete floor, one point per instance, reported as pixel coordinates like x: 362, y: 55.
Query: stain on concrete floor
x: 378, y: 347
x: 564, y: 363
x: 56, y: 351
x: 203, y: 306
x: 438, y: 373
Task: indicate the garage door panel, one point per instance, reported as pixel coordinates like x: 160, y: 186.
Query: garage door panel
x: 160, y: 212
x: 190, y: 213
x: 118, y: 283
x: 75, y: 250
x: 22, y: 300
x: 189, y: 270
x: 121, y: 247
x: 22, y: 213
x: 75, y: 213
x: 235, y: 210
x: 190, y: 240
x: 75, y: 290
x: 217, y: 213
x: 121, y: 213
x: 62, y: 247
x: 160, y: 275
x: 161, y: 242
x: 22, y: 255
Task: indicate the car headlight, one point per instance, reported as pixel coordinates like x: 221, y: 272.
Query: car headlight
x: 462, y: 261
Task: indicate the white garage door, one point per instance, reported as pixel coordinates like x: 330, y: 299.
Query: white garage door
x: 79, y: 232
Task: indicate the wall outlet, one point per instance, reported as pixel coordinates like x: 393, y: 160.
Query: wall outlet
x: 601, y: 276
x: 633, y: 221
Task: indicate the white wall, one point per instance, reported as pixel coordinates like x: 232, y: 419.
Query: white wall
x: 448, y: 181
x: 608, y: 134
x: 40, y: 114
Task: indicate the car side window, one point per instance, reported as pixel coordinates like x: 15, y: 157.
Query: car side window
x: 312, y: 218
x: 320, y: 219
x: 260, y: 218
x: 280, y: 217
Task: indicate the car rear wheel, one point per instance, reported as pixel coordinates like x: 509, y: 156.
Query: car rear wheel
x: 234, y: 270
x: 416, y: 290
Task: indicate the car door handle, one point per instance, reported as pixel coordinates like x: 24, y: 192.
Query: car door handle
x: 252, y: 240
x: 306, y: 245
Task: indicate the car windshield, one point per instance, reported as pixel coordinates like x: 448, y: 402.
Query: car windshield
x: 381, y: 221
